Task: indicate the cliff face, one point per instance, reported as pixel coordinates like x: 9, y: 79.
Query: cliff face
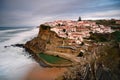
x: 38, y: 44
x: 45, y: 37
x: 104, y: 66
x: 48, y: 40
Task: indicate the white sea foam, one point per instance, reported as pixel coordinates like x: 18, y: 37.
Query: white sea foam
x: 14, y: 62
x: 21, y: 37
x: 12, y: 30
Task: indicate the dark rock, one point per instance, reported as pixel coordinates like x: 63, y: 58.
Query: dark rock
x: 18, y: 45
x: 6, y: 46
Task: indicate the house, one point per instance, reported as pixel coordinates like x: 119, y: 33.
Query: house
x: 117, y: 21
x: 77, y: 30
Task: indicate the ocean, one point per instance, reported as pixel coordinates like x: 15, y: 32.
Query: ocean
x: 14, y: 61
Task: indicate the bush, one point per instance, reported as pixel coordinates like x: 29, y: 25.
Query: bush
x: 116, y: 36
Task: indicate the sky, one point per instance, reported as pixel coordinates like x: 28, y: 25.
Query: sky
x: 36, y: 12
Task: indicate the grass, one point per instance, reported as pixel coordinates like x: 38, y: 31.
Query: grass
x: 100, y: 37
x: 53, y: 59
x: 116, y: 35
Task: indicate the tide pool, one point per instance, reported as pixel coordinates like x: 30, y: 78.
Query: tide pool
x: 53, y: 59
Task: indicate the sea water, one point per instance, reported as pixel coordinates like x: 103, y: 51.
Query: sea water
x: 14, y: 61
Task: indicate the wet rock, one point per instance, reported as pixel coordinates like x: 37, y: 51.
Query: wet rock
x: 18, y: 45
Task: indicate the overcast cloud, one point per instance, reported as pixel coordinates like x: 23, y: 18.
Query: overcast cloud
x: 35, y: 12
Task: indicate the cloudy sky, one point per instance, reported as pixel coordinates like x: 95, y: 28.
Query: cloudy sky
x: 35, y: 12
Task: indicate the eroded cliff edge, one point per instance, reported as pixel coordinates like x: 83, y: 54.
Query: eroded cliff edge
x: 46, y: 40
x: 38, y: 44
x: 100, y: 61
x: 50, y: 43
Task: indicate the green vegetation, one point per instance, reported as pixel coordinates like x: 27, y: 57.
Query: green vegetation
x: 53, y: 59
x: 116, y: 36
x: 99, y: 37
x: 79, y: 19
x: 106, y: 22
x: 111, y: 23
x: 64, y: 30
x: 117, y: 26
x: 109, y: 55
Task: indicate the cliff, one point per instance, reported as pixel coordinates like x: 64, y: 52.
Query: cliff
x: 38, y: 44
x: 95, y: 58
x: 50, y: 43
x: 104, y: 66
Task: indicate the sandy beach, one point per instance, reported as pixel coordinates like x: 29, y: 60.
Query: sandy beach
x: 40, y: 73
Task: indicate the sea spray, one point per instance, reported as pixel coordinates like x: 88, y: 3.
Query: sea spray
x: 14, y: 62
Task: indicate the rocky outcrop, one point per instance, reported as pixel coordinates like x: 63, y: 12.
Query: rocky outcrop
x: 104, y: 65
x: 50, y: 43
x: 38, y: 44
x: 48, y: 40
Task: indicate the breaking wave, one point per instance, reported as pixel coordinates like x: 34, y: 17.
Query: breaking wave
x: 14, y: 62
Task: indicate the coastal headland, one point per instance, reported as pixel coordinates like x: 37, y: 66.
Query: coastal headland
x: 83, y: 47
